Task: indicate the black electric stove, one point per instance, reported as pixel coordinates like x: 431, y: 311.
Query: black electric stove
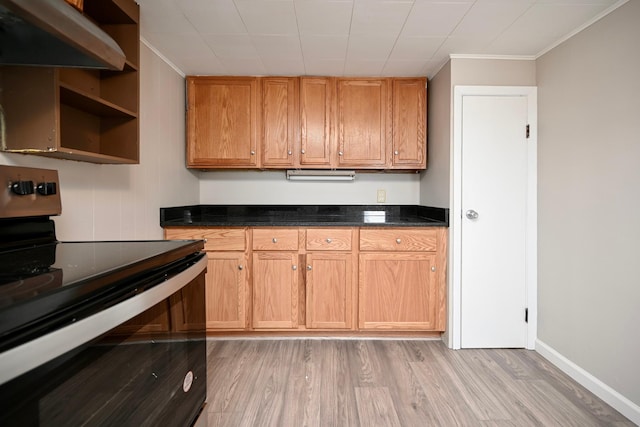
x: 46, y: 286
x: 132, y: 310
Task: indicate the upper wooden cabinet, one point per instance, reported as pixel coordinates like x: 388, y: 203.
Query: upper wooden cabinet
x: 363, y: 122
x: 317, y: 146
x: 79, y: 114
x: 222, y: 122
x: 306, y: 122
x: 279, y: 122
x: 409, y: 124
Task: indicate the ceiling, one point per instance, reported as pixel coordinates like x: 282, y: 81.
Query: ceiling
x: 354, y: 37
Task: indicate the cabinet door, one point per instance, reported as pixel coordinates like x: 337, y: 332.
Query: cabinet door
x: 398, y: 291
x: 279, y: 121
x: 409, y: 124
x: 275, y: 290
x: 329, y: 290
x: 222, y: 122
x: 316, y: 135
x: 226, y: 291
x: 364, y: 123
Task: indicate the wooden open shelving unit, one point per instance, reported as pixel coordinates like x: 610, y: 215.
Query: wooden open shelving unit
x: 79, y: 114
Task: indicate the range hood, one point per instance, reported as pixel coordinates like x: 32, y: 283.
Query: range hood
x: 53, y: 33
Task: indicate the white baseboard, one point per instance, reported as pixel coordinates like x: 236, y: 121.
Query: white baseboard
x: 620, y: 403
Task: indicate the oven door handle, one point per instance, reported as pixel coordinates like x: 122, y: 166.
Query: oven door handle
x: 23, y: 358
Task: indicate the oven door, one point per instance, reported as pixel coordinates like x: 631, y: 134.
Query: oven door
x: 140, y: 362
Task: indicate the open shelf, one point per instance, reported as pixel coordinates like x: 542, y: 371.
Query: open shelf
x: 80, y: 114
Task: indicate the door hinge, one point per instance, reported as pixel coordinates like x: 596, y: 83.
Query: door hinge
x: 526, y: 315
x: 527, y: 131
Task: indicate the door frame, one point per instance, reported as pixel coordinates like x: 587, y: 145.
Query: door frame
x: 531, y: 279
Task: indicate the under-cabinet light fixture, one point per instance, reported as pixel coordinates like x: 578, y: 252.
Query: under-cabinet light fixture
x: 320, y: 175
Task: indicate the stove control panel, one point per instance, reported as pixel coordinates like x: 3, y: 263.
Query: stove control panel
x: 28, y: 192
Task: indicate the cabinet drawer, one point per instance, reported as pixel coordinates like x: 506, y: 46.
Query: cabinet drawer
x: 398, y: 239
x: 216, y: 239
x: 275, y: 239
x: 329, y: 239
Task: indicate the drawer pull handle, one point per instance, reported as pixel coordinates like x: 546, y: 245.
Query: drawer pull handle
x: 309, y: 267
x: 205, y: 240
x: 274, y: 240
x: 398, y: 241
x: 294, y: 267
x: 329, y: 240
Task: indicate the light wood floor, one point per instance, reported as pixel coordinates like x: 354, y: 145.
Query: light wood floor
x: 294, y: 383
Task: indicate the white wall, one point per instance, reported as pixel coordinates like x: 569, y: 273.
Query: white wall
x: 435, y: 181
x: 493, y: 72
x: 116, y: 202
x: 589, y: 200
x: 272, y: 187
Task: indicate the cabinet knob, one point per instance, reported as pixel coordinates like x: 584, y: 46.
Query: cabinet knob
x: 329, y: 240
x: 340, y: 153
x: 240, y: 267
x: 274, y: 240
x: 205, y: 240
x: 309, y: 267
x: 253, y: 153
x: 302, y: 151
x: 294, y: 267
x: 398, y: 241
x: 433, y: 268
x: 289, y: 152
x: 396, y: 152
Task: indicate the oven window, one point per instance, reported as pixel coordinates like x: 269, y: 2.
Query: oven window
x: 150, y: 370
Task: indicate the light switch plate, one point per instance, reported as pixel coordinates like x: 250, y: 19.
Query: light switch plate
x: 382, y: 196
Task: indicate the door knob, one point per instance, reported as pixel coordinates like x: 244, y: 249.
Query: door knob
x: 471, y: 214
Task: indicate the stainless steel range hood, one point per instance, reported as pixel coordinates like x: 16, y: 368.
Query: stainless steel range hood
x: 53, y: 33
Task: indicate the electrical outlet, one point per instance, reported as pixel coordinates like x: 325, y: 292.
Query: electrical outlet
x: 382, y: 196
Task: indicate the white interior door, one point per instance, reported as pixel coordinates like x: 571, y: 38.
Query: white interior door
x: 494, y: 221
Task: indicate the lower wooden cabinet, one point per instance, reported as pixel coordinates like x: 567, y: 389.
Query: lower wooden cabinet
x: 227, y: 276
x: 402, y: 279
x: 226, y: 290
x: 275, y: 290
x: 398, y: 291
x: 329, y: 288
x: 324, y: 279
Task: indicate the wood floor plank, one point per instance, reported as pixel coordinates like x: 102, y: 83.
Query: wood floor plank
x: 365, y: 368
x: 479, y: 392
x: 574, y: 392
x: 376, y: 406
x: 302, y: 394
x: 337, y: 387
x: 266, y: 403
x: 230, y: 377
x: 443, y: 396
x: 410, y: 399
x: 513, y: 391
x: 311, y: 382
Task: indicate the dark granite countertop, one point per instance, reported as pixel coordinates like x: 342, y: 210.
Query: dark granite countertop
x: 304, y: 216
